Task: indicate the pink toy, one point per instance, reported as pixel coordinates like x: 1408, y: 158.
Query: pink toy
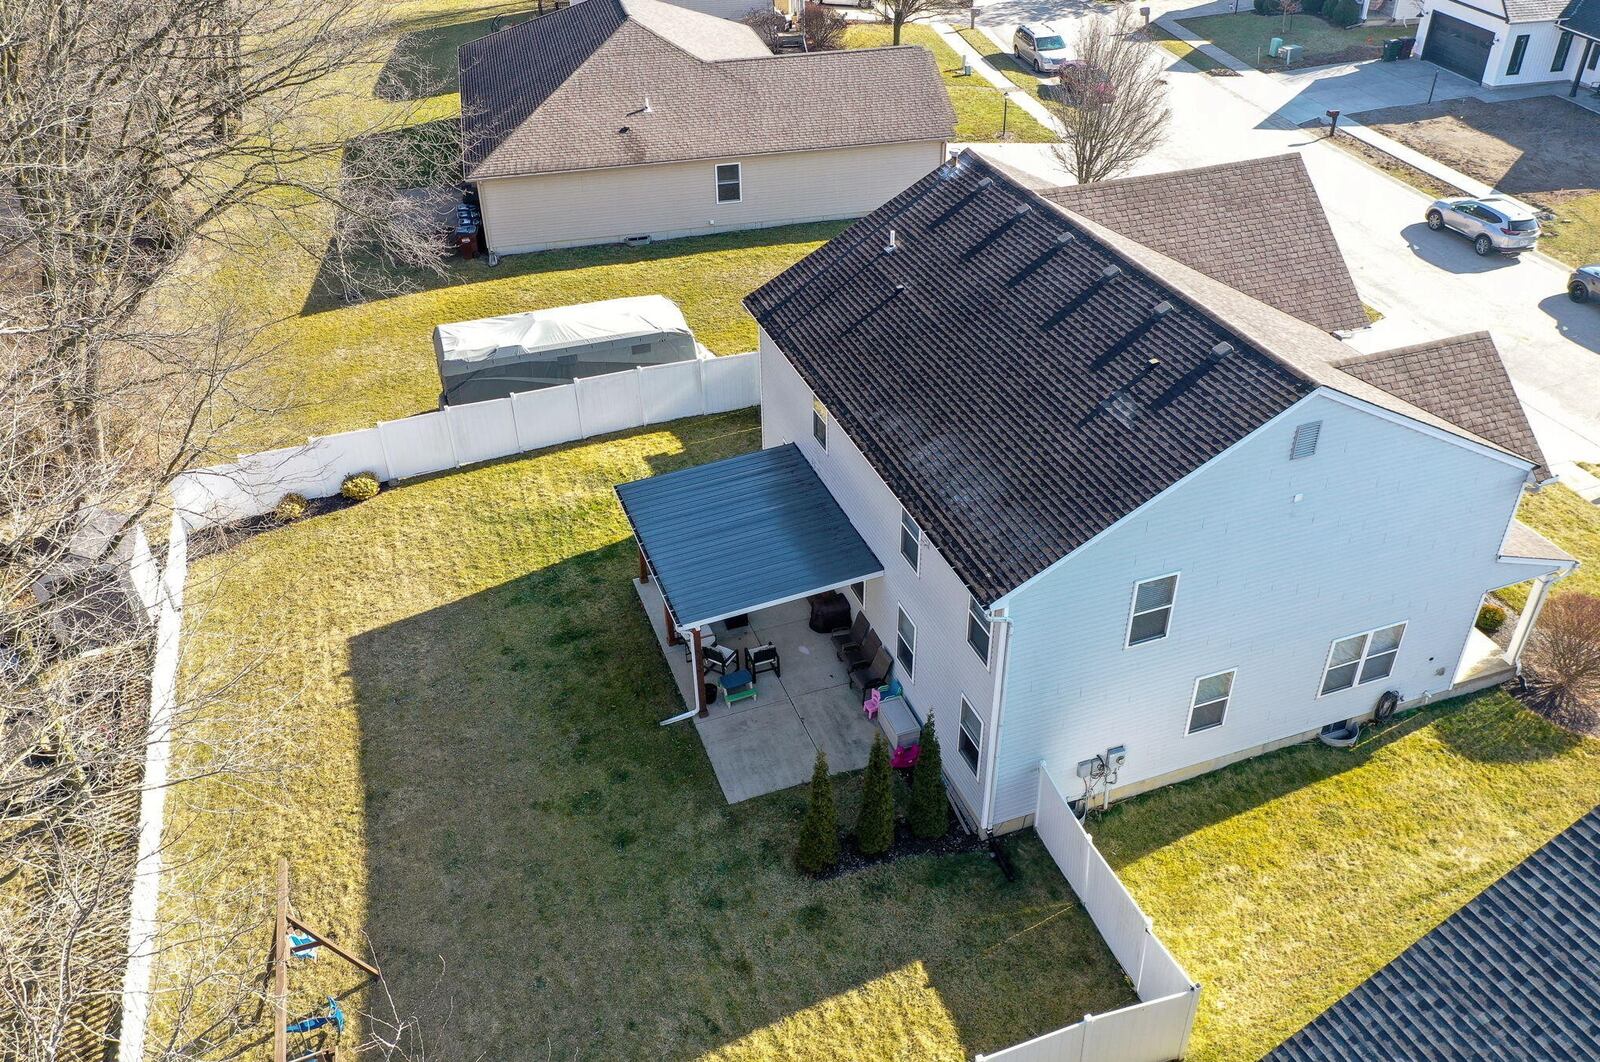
x: 870, y: 705
x: 905, y: 756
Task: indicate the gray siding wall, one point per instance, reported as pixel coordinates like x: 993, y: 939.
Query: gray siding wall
x: 678, y: 199
x: 1391, y: 525
x: 933, y: 596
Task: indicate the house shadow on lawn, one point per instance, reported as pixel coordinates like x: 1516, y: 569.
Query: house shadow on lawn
x: 562, y: 874
x: 423, y: 61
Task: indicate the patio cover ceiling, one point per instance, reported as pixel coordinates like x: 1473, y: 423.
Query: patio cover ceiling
x: 743, y: 534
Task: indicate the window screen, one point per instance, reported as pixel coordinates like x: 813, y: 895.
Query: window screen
x: 1152, y: 609
x: 1362, y: 658
x: 910, y: 539
x: 729, y: 182
x: 1210, y: 701
x: 819, y: 423
x: 970, y: 742
x: 905, y: 649
x: 978, y: 629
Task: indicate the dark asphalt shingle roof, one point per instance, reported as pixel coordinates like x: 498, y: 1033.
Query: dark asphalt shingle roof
x: 567, y: 91
x: 774, y: 534
x: 1265, y: 232
x: 1533, y: 10
x: 1461, y: 379
x: 1582, y: 16
x: 1015, y: 398
x: 1514, y: 976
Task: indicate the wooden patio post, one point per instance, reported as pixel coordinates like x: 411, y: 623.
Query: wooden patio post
x: 644, y: 568
x: 280, y: 969
x: 697, y: 676
x: 672, y: 625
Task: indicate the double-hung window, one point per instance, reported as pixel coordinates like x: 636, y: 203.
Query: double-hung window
x: 730, y: 183
x: 819, y: 423
x: 978, y: 630
x: 1209, y: 702
x: 1360, y: 658
x: 905, y: 644
x: 910, y: 539
x: 1152, y: 609
x: 970, y: 741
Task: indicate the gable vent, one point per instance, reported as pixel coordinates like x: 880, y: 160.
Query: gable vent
x: 1305, y: 440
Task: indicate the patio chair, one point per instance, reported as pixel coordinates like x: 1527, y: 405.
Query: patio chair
x: 859, y: 656
x: 868, y: 678
x: 718, y: 658
x: 850, y: 635
x: 759, y: 658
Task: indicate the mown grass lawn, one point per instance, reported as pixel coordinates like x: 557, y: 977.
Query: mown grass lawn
x: 981, y: 109
x: 1002, y: 60
x: 1284, y: 882
x: 471, y: 694
x: 1247, y: 35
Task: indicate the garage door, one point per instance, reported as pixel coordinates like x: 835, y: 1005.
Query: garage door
x: 1457, y: 45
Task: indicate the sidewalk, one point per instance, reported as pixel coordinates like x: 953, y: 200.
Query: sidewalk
x: 1019, y: 98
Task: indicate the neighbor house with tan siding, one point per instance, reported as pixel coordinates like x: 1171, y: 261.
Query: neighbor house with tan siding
x: 617, y: 120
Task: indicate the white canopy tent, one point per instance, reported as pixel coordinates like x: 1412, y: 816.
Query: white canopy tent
x: 496, y: 356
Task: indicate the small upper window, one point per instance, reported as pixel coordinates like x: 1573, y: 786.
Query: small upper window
x: 1152, y: 609
x: 819, y: 423
x: 1519, y: 51
x: 970, y: 740
x: 910, y: 539
x: 1209, y: 703
x: 1362, y: 658
x: 1305, y: 440
x: 729, y: 183
x: 905, y: 649
x: 978, y: 630
x: 1563, y: 49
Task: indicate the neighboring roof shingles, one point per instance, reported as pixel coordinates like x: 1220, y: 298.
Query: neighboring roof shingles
x: 1533, y: 10
x: 979, y: 391
x: 1524, y: 543
x: 1582, y: 16
x: 1461, y: 379
x: 1513, y: 976
x: 778, y: 534
x: 567, y: 91
x: 1263, y: 231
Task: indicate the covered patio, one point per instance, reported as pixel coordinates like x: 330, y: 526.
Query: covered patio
x: 730, y: 554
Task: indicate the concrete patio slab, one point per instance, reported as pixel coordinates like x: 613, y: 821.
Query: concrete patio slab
x: 834, y: 719
x: 758, y: 751
x: 809, y: 662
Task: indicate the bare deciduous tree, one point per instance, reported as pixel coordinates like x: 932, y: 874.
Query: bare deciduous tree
x: 1562, y: 661
x: 1110, y: 101
x: 767, y: 23
x: 823, y: 26
x: 143, y: 144
x: 898, y: 12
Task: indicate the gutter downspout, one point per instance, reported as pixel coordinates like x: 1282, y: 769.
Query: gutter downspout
x: 1002, y: 664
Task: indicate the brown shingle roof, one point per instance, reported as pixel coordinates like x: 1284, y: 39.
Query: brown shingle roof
x: 1462, y: 380
x: 568, y: 91
x: 1255, y: 225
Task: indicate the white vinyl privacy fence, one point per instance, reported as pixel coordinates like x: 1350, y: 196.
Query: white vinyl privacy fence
x: 463, y: 435
x: 1156, y: 1029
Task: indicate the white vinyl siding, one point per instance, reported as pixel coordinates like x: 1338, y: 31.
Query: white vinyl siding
x: 676, y: 199
x: 1362, y: 658
x: 1208, y: 705
x: 1151, y: 616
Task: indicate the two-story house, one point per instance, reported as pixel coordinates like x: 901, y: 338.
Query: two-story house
x: 1114, y: 509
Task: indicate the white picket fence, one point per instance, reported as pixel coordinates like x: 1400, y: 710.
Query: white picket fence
x: 1157, y: 1028
x: 463, y: 435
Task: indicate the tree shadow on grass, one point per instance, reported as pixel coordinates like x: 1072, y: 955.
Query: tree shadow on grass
x: 423, y: 62
x: 571, y: 865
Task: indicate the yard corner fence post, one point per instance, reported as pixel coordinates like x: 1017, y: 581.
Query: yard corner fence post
x: 1144, y: 947
x: 450, y: 436
x: 516, y: 426
x: 1194, y: 1011
x: 1083, y: 1044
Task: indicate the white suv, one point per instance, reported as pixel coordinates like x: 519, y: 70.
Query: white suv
x: 1493, y: 224
x: 1040, y: 46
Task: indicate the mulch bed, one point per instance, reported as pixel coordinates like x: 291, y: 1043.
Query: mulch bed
x: 1579, y: 718
x: 954, y: 842
x: 210, y: 541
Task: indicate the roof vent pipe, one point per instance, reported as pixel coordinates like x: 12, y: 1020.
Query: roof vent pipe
x: 647, y: 108
x: 893, y: 245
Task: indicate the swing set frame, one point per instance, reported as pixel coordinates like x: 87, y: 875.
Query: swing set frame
x: 282, y: 950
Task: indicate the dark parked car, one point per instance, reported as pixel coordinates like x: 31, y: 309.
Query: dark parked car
x: 1584, y: 284
x: 1080, y: 81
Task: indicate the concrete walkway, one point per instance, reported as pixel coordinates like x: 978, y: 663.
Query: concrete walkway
x: 1019, y: 97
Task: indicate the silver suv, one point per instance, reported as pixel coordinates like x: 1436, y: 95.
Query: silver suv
x: 1040, y: 46
x: 1495, y: 225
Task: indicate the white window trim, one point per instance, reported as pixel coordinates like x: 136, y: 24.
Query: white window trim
x: 1133, y: 603
x: 974, y: 610
x: 1360, y: 661
x: 916, y: 565
x: 966, y: 706
x: 717, y: 182
x: 911, y: 672
x: 1227, y: 702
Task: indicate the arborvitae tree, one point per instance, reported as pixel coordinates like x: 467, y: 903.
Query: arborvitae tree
x: 929, y: 814
x: 875, y: 824
x: 819, y: 830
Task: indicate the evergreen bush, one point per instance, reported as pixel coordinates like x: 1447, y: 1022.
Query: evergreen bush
x: 1491, y: 618
x: 875, y: 823
x: 819, y: 830
x: 1343, y: 13
x: 929, y: 814
x: 360, y: 486
x: 290, y: 508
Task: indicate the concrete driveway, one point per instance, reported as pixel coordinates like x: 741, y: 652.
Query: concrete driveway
x: 1428, y: 285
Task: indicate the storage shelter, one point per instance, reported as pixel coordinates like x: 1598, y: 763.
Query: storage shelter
x: 497, y: 356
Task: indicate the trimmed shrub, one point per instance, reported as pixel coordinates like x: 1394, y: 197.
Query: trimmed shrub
x: 929, y: 814
x: 360, y: 486
x: 1343, y: 13
x: 819, y: 830
x: 1266, y: 7
x: 875, y: 823
x: 290, y: 508
x: 1312, y: 7
x: 1491, y: 618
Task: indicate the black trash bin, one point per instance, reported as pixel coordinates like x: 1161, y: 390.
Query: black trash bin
x: 1407, y: 45
x: 1391, y: 50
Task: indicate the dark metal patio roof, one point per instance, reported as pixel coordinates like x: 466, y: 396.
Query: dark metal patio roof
x: 743, y: 534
